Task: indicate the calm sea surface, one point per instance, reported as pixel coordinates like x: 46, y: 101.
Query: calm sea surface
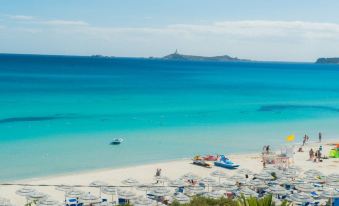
x: 59, y: 113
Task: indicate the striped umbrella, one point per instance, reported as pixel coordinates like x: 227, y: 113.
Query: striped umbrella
x: 277, y: 190
x: 181, y: 198
x: 245, y: 171
x: 48, y: 202
x: 259, y: 184
x: 110, y: 191
x: 89, y: 198
x: 160, y: 191
x: 305, y: 187
x: 313, y: 172
x: 190, y: 176
x: 219, y: 174
x: 63, y: 188
x: 25, y: 191
x: 264, y: 176
x: 214, y: 194
x: 332, y: 177
x: 300, y: 198
x: 99, y: 184
x: 142, y: 201
x: 178, y: 183
x: 238, y: 178
x: 74, y: 193
x: 36, y: 195
x: 130, y: 182
x: 194, y: 190
x: 248, y: 192
x: 126, y: 194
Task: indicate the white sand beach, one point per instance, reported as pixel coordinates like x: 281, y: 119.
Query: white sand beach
x: 172, y: 169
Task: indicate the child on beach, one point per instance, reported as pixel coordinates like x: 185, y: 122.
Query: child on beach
x: 311, y: 154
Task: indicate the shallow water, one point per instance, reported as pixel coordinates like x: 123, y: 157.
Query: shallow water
x: 58, y: 113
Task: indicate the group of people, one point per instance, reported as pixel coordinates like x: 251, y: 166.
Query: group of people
x: 315, y: 156
x: 307, y: 138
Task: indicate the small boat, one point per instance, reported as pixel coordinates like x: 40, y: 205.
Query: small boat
x: 117, y: 141
x: 201, y: 163
x: 225, y: 163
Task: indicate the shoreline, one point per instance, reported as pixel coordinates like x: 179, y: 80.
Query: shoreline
x: 106, y: 169
x: 174, y: 169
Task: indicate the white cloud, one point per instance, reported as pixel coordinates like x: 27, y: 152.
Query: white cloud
x: 64, y: 23
x: 253, y: 39
x: 20, y: 17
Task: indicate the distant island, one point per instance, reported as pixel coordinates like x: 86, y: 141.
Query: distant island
x: 334, y: 60
x: 177, y: 56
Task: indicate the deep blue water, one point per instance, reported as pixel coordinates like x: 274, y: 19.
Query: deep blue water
x: 58, y: 113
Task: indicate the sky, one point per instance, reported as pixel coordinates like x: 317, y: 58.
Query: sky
x: 271, y: 30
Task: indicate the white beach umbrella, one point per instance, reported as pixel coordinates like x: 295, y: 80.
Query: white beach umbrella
x: 219, y: 174
x: 313, y: 179
x: 305, y: 187
x: 190, y: 176
x: 126, y: 194
x: 215, y: 194
x: 294, y: 167
x: 142, y: 201
x: 5, y: 202
x: 74, y: 193
x: 194, y: 190
x: 334, y: 185
x: 313, y: 172
x: 264, y: 176
x: 289, y: 174
x: 284, y: 181
x: 238, y: 178
x: 257, y: 183
x: 48, y: 202
x: 298, y: 181
x: 160, y: 191
x: 248, y: 192
x: 25, y: 191
x: 110, y: 191
x: 64, y: 188
x: 300, y: 198
x: 332, y: 177
x: 245, y: 171
x: 330, y: 193
x: 209, y: 182
x: 277, y: 190
x: 162, y: 179
x: 181, y: 198
x: 145, y: 187
x: 36, y: 195
x: 99, y: 184
x: 178, y: 183
x: 89, y: 198
x: 130, y: 182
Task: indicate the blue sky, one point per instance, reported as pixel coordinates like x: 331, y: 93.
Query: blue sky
x: 256, y: 29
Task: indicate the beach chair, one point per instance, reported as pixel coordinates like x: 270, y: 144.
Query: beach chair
x: 71, y: 202
x: 336, y: 202
x: 122, y: 201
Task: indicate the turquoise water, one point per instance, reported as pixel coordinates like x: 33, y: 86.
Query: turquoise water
x: 59, y: 113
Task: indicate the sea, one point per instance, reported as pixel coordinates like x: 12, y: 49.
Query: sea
x: 58, y: 114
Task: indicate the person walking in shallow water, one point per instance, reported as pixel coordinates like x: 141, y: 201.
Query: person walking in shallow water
x: 320, y: 136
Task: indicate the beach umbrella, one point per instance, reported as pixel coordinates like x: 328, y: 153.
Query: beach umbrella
x: 89, y: 198
x: 48, y: 202
x: 245, y: 171
x: 219, y: 174
x: 190, y: 176
x: 63, y: 188
x: 142, y: 201
x: 264, y: 176
x: 194, y: 190
x: 330, y: 193
x: 300, y: 198
x: 178, y: 183
x: 284, y: 181
x: 99, y: 184
x: 161, y: 178
x: 298, y: 181
x: 126, y: 194
x: 259, y: 184
x: 332, y: 177
x: 295, y: 168
x: 36, y: 195
x: 333, y: 185
x: 313, y: 172
x: 110, y: 191
x: 289, y: 174
x: 238, y: 178
x: 74, y: 193
x: 248, y: 192
x: 214, y: 194
x: 181, y: 198
x: 277, y: 190
x: 25, y: 191
x: 130, y: 182
x: 305, y: 187
x: 144, y: 187
x: 160, y: 191
x: 5, y: 202
x: 313, y: 179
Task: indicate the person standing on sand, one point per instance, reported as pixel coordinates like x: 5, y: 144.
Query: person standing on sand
x: 311, y: 154
x: 304, y: 141
x: 320, y: 136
